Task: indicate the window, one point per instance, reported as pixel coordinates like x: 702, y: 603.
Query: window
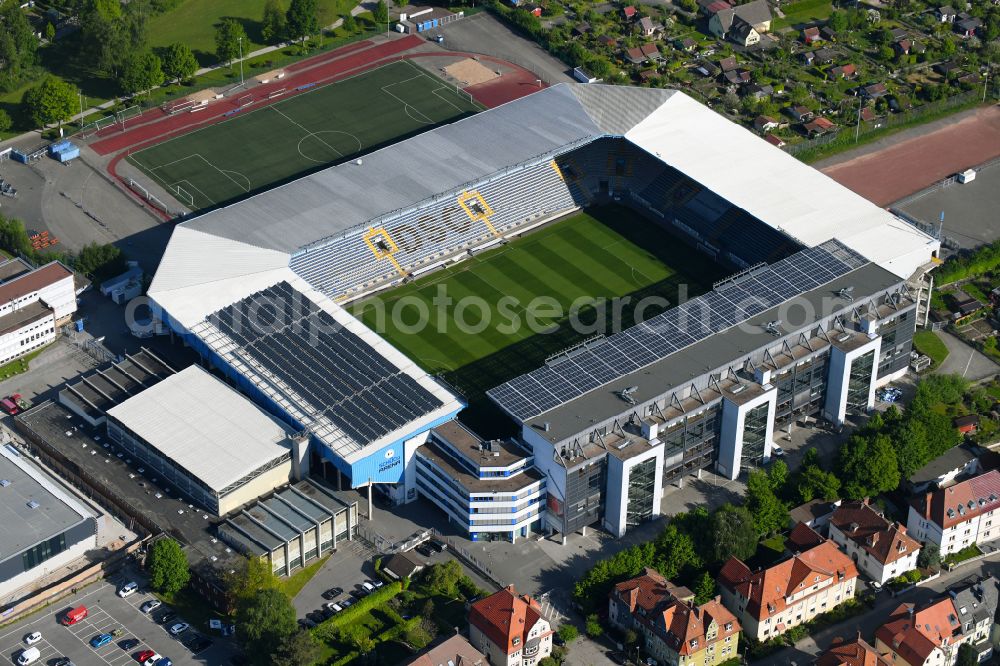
x: 516, y: 641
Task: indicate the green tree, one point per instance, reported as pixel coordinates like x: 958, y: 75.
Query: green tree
x: 769, y: 513
x: 594, y: 628
x: 264, y: 619
x: 350, y: 23
x: 704, y: 591
x: 297, y: 649
x: 51, y: 101
x: 50, y: 31
x: 179, y: 62
x: 248, y: 577
x: 142, y: 73
x: 868, y: 466
x: 778, y: 475
x: 100, y: 262
x: 838, y: 21
x: 272, y: 25
x: 427, y: 610
x: 929, y: 556
x: 593, y: 588
x: 442, y: 578
x: 111, y: 33
x: 227, y: 40
x: 5, y: 121
x: 568, y: 633
x: 815, y: 483
x: 300, y: 20
x: 168, y: 567
x: 733, y: 533
x: 675, y: 552
x: 967, y: 655
x: 18, y: 44
x: 381, y: 13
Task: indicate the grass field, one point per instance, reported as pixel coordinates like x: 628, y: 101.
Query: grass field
x: 261, y: 147
x: 928, y: 342
x: 606, y: 253
x: 804, y: 12
x: 193, y: 22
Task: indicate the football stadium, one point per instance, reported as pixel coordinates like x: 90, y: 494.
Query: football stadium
x: 804, y: 298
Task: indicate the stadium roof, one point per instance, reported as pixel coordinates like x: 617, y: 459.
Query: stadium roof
x: 205, y: 427
x: 33, y: 507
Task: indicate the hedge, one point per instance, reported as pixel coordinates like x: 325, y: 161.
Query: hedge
x: 326, y: 629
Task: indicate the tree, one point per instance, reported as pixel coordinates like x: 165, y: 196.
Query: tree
x: 272, y: 25
x: 594, y: 628
x: 50, y: 31
x: 381, y: 13
x: 769, y: 513
x: 427, y: 610
x: 815, y: 483
x: 350, y: 24
x: 568, y: 633
x: 99, y: 262
x: 111, y: 33
x: 179, y: 62
x: 251, y: 575
x: 838, y: 21
x: 704, y: 591
x: 142, y: 73
x: 264, y: 618
x: 168, y: 566
x: 17, y: 43
x: 868, y: 466
x: 51, y: 101
x: 297, y: 649
x: 442, y: 578
x: 300, y: 20
x: 675, y: 552
x: 966, y: 655
x: 227, y: 40
x: 5, y: 121
x: 733, y: 533
x: 930, y: 556
x: 778, y: 475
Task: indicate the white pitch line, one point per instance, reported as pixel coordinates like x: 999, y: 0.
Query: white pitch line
x: 303, y: 128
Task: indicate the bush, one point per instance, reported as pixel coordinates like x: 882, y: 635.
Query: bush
x: 328, y: 630
x: 568, y: 633
x: 594, y: 628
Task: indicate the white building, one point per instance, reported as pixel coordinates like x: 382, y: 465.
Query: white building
x: 33, y: 304
x: 881, y: 549
x: 208, y: 441
x: 42, y: 526
x: 509, y: 629
x: 959, y: 516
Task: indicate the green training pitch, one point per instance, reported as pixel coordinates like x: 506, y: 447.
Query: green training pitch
x: 606, y: 253
x: 261, y: 147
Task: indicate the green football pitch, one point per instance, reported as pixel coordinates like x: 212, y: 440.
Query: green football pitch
x: 477, y: 333
x: 260, y: 147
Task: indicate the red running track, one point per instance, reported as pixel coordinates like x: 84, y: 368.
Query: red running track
x: 169, y: 126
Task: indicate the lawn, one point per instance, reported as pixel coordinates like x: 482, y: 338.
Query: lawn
x: 19, y: 365
x: 193, y: 22
x: 928, y: 342
x: 292, y: 585
x: 483, y: 337
x: 803, y: 12
x: 259, y: 148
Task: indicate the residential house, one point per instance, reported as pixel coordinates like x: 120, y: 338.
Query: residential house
x: 811, y: 35
x: 902, y: 47
x: 509, y: 629
x: 650, y: 51
x: 743, y: 24
x: 945, y: 68
x: 764, y: 123
x: 707, y: 69
x: 801, y: 113
x: 848, y: 71
x: 648, y: 75
x: 851, y: 653
x: 867, y: 114
x: 645, y: 27
x: 712, y: 7
x: 881, y: 549
x: 768, y: 602
x: 456, y: 651
x: 635, y: 55
x: 736, y: 77
x: 403, y: 565
x: 946, y: 14
x: 687, y: 44
x: 968, y: 26
x: 773, y: 140
x: 959, y: 516
x: 758, y: 91
x: 674, y: 629
x: 815, y: 514
x: 629, y: 12
x: 802, y: 538
x: 898, y: 34
x: 931, y: 633
x: 945, y: 470
x: 727, y: 64
x: 824, y: 55
x: 818, y: 126
x: 808, y: 57
x: 874, y: 91
x: 967, y: 424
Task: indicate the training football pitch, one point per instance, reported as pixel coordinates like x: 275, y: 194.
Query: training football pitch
x: 503, y: 312
x: 260, y: 147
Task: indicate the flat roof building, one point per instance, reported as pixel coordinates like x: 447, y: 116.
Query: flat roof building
x: 209, y: 441
x: 42, y: 526
x: 33, y: 303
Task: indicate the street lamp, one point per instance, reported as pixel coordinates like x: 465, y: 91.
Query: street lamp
x: 240, y: 41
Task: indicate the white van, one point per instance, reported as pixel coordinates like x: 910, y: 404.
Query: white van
x: 127, y: 589
x: 29, y: 656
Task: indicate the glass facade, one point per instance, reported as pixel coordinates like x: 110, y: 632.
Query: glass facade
x: 897, y: 343
x: 45, y: 550
x: 801, y: 390
x: 859, y: 382
x: 584, y: 496
x: 691, y: 444
x: 754, y: 435
x: 641, y: 488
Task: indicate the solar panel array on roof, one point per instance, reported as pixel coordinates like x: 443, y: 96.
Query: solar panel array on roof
x: 329, y: 367
x: 572, y: 375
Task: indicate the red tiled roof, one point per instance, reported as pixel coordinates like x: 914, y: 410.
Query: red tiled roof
x: 629, y: 11
x: 802, y: 538
x: 649, y: 50
x: 964, y: 500
x: 854, y: 653
x: 504, y: 616
x: 885, y: 541
x: 913, y: 634
x: 767, y: 589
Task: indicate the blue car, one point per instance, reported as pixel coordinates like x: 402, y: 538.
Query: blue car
x: 101, y: 640
x: 164, y: 661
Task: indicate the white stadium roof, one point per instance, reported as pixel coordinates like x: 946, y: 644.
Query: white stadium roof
x: 205, y: 427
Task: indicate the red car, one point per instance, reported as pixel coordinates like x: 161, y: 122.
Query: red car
x: 144, y: 655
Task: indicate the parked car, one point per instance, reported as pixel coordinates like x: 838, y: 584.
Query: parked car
x: 74, y: 615
x: 367, y: 587
x: 345, y: 603
x: 306, y: 623
x: 100, y: 640
x: 377, y: 583
x: 200, y: 644
x: 425, y: 550
x: 150, y: 605
x: 129, y: 644
x: 147, y: 658
x: 33, y: 638
x: 28, y: 656
x: 164, y: 661
x: 336, y: 608
x: 437, y: 546
x: 327, y: 613
x: 63, y: 661
x: 128, y: 589
x: 333, y: 593
x: 179, y: 628
x: 777, y: 451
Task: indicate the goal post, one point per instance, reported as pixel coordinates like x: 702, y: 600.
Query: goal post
x: 184, y: 196
x: 244, y: 100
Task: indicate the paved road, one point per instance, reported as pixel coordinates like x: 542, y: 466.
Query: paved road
x: 806, y: 649
x: 964, y: 360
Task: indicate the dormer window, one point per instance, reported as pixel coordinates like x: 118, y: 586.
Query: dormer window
x: 729, y: 626
x: 693, y: 642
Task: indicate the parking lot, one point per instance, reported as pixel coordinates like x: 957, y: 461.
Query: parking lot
x: 107, y: 613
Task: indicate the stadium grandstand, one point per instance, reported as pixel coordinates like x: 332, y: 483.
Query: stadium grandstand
x: 258, y: 288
